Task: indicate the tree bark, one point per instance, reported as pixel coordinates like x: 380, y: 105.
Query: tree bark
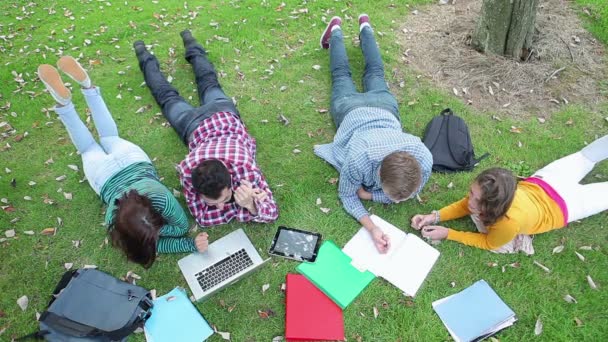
x: 506, y: 27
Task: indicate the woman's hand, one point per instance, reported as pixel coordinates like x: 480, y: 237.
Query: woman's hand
x: 201, y: 241
x: 419, y: 221
x: 435, y: 232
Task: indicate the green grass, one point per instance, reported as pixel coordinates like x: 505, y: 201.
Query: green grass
x: 264, y: 36
x: 595, y: 12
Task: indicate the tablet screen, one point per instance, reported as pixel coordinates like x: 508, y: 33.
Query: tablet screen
x: 296, y: 244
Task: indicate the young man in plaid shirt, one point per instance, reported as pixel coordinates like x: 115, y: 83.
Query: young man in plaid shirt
x: 220, y: 178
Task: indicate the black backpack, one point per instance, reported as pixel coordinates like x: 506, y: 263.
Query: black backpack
x: 90, y: 305
x: 447, y: 137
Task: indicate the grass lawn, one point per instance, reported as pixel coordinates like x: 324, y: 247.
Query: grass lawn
x: 273, y: 45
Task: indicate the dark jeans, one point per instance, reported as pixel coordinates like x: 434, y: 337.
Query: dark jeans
x: 344, y: 95
x: 182, y: 116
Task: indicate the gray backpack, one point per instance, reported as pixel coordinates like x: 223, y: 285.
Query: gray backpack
x: 90, y: 305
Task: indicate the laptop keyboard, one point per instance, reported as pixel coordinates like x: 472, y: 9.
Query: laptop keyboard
x: 223, y: 269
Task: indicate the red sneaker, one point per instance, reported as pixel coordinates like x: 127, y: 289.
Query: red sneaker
x: 335, y: 21
x: 363, y: 21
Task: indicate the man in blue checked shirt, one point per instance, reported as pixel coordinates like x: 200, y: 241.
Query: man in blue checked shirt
x: 377, y: 161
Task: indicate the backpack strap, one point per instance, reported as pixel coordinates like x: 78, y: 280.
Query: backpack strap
x: 447, y: 111
x: 483, y: 156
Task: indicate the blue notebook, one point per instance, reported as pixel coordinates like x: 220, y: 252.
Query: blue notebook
x: 474, y: 313
x: 174, y: 318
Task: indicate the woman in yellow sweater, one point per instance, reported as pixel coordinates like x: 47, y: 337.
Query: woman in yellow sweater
x: 507, y: 212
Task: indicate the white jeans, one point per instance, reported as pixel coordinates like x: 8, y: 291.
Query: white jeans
x: 564, y: 176
x: 99, y: 161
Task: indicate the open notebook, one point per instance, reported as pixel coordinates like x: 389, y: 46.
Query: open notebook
x: 406, y: 264
x: 474, y: 313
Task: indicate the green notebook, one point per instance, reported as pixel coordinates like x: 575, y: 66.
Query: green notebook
x: 333, y: 274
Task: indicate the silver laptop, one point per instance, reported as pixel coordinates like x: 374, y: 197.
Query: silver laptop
x: 225, y: 261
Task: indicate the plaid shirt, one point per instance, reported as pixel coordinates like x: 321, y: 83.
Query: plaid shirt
x: 224, y: 137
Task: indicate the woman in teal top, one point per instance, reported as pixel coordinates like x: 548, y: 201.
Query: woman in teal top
x: 143, y: 217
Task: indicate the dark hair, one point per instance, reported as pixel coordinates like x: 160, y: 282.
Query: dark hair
x: 211, y: 177
x: 136, y: 227
x: 400, y: 175
x: 498, y: 187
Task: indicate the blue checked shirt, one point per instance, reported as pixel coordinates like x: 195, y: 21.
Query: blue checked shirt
x: 364, y: 138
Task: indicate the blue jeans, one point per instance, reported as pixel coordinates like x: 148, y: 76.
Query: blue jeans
x: 99, y: 161
x: 344, y: 95
x: 183, y: 117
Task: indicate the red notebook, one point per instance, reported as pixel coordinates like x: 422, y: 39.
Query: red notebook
x: 309, y: 314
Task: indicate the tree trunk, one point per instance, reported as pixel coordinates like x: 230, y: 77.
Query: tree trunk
x: 506, y: 27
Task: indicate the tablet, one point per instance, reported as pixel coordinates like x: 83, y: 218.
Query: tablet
x: 295, y: 244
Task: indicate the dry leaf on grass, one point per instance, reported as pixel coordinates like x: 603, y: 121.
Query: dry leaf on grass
x: 73, y: 167
x: 10, y: 233
x: 29, y: 232
x: 591, y: 283
x: 585, y: 248
x: 319, y: 202
x: 264, y: 314
x: 89, y: 266
x: 23, y: 301
x: 224, y: 335
x: 568, y: 298
x: 325, y: 210
x: 265, y: 287
x: 278, y: 339
x: 538, y: 327
x: 544, y: 268
x: 48, y: 231
x: 580, y: 256
x: 578, y: 322
x: 68, y: 265
x: 375, y: 312
x: 558, y: 249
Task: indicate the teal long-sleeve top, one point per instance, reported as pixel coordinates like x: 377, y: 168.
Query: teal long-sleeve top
x: 143, y: 178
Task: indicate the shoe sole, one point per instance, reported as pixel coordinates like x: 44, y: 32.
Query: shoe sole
x: 327, y: 28
x: 72, y: 68
x: 52, y: 80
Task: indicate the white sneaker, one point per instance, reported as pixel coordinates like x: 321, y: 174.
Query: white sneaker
x: 72, y: 68
x: 53, y: 83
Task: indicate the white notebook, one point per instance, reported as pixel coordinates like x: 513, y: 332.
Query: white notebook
x: 406, y: 264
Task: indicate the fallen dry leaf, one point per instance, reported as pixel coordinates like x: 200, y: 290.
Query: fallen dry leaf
x: 264, y: 314
x: 591, y: 283
x: 585, y: 248
x: 68, y: 265
x: 316, y: 67
x: 332, y: 181
x: 538, y: 327
x: 578, y: 322
x: 544, y: 268
x: 29, y: 232
x: 89, y: 266
x: 568, y: 298
x: 375, y: 312
x: 10, y: 233
x: 325, y: 210
x: 580, y: 256
x: 277, y: 339
x: 23, y: 301
x: 48, y: 231
x: 73, y: 167
x: 558, y: 249
x: 319, y: 202
x: 515, y: 129
x: 225, y: 335
x: 265, y: 287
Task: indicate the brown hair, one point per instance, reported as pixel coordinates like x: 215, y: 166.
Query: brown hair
x: 498, y: 187
x: 136, y: 227
x: 400, y: 175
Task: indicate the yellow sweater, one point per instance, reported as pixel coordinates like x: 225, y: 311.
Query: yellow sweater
x: 531, y: 212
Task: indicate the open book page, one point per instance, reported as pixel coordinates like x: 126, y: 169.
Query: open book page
x: 363, y: 252
x: 410, y: 264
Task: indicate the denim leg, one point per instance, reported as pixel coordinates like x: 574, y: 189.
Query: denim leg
x: 373, y: 77
x: 78, y: 132
x: 106, y: 127
x: 208, y: 86
x: 341, y: 77
x: 175, y: 109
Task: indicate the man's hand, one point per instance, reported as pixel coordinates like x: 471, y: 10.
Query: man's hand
x: 435, y: 232
x: 201, y: 241
x: 243, y: 195
x: 364, y: 195
x: 420, y: 221
x: 381, y: 240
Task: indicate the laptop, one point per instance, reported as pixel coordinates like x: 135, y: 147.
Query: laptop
x: 226, y: 261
